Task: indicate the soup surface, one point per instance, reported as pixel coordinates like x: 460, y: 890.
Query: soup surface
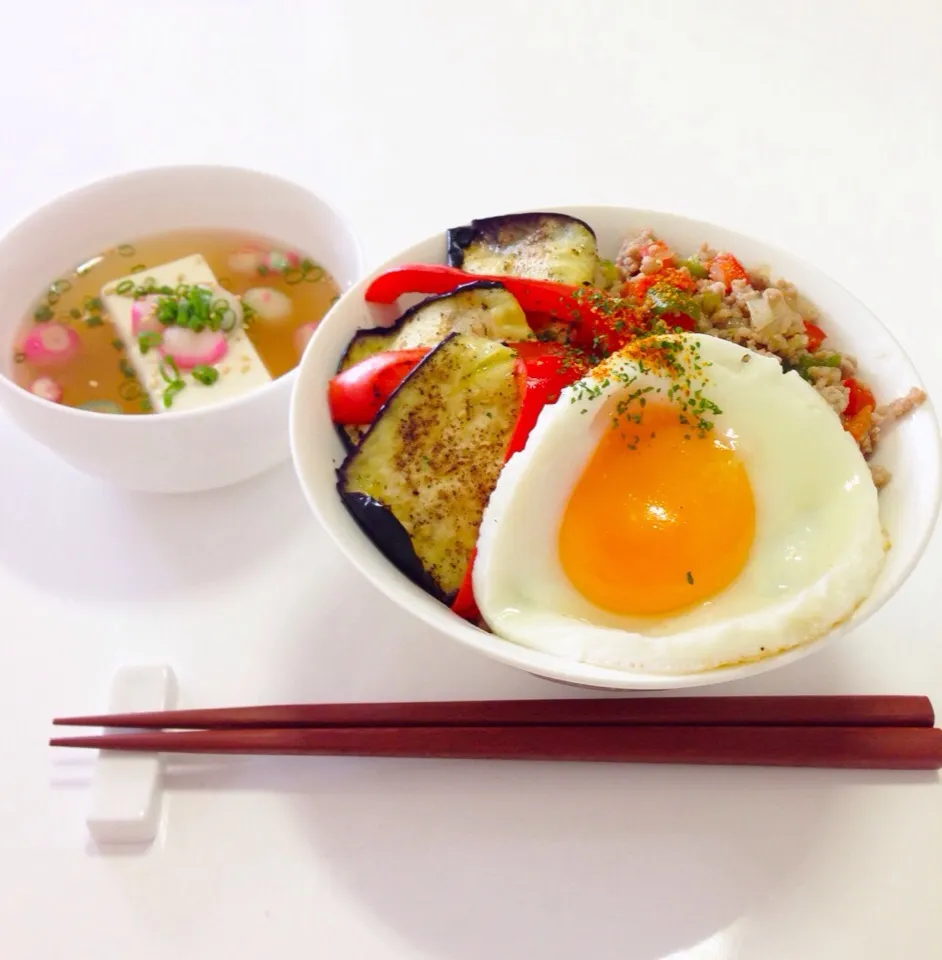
x: 99, y: 337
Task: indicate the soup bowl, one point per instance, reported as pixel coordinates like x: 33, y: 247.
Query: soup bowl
x: 910, y: 450
x: 173, y: 452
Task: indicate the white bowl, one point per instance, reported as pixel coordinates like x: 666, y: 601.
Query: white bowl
x: 174, y: 452
x: 911, y: 450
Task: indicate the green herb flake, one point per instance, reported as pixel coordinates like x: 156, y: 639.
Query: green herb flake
x: 42, y: 314
x: 117, y: 344
x: 93, y: 320
x: 690, y: 578
x: 126, y: 250
x: 171, y: 391
x: 205, y: 374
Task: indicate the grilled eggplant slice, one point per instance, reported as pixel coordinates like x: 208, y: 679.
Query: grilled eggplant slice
x: 420, y: 478
x: 482, y: 308
x: 548, y: 246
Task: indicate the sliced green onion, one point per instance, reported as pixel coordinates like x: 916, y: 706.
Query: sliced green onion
x: 124, y: 287
x: 145, y: 406
x: 168, y: 369
x: 127, y: 370
x: 130, y: 390
x: 205, y: 374
x: 126, y: 250
x: 224, y: 281
x: 93, y: 320
x: 181, y: 289
x: 312, y: 271
x: 293, y: 275
x: 228, y: 321
x: 183, y: 313
x: 138, y: 268
x: 42, y: 314
x: 171, y: 391
x: 62, y: 286
x: 93, y: 304
x: 52, y: 298
x: 117, y: 344
x: 147, y: 339
x: 149, y: 284
x: 75, y: 313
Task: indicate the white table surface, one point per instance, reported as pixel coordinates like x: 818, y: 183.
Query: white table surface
x: 815, y: 125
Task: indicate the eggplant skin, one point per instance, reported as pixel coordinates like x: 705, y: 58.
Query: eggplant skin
x: 431, y: 459
x: 482, y: 307
x: 379, y: 523
x: 547, y: 246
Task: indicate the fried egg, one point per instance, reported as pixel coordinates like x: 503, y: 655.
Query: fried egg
x: 688, y: 505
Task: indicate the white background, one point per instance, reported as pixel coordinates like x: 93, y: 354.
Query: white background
x: 815, y: 125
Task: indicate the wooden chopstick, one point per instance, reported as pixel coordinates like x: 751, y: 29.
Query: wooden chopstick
x: 848, y: 711
x: 885, y: 748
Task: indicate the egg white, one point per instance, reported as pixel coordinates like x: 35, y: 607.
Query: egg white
x: 818, y: 548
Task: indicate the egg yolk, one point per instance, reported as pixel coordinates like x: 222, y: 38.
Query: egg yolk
x: 661, y: 518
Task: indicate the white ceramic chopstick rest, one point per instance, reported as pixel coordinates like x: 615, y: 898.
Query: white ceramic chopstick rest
x: 126, y: 790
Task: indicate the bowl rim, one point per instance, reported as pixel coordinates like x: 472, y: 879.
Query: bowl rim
x: 551, y: 666
x: 252, y: 396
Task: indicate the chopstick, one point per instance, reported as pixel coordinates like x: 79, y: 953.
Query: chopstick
x: 884, y: 748
x: 847, y: 711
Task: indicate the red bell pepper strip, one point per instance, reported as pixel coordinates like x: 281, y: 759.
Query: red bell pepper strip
x: 727, y: 268
x: 815, y: 335
x: 587, y: 307
x: 534, y: 296
x: 858, y: 397
x: 542, y: 370
x: 356, y: 395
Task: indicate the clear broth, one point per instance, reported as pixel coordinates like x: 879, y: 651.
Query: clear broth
x: 101, y: 376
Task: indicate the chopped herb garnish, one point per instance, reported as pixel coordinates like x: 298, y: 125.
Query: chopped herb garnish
x: 61, y: 286
x: 293, y: 275
x: 689, y: 578
x: 147, y: 339
x: 169, y: 370
x: 126, y: 250
x: 138, y: 268
x: 130, y: 390
x: 52, y: 298
x: 117, y: 344
x: 93, y: 304
x: 126, y: 369
x: 145, y: 405
x: 42, y: 314
x: 124, y: 288
x: 171, y: 390
x: 75, y: 313
x: 205, y: 374
x: 93, y: 320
